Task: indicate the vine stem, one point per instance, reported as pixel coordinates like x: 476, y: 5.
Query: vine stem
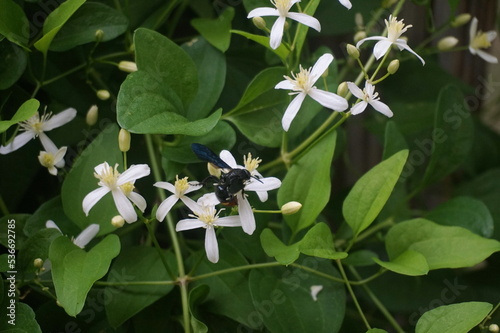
x: 349, y: 287
x: 182, y: 279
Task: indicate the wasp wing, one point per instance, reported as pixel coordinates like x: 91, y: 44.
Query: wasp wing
x: 205, y: 154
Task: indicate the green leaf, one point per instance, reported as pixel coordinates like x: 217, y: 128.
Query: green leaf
x: 196, y: 297
x: 55, y: 22
x: 283, y: 301
x: 13, y: 23
x: 303, y: 29
x: 376, y: 330
x: 394, y: 140
x: 13, y: 61
x: 211, y: 65
x: 442, y: 246
x: 456, y: 318
x: 16, y: 221
x: 361, y: 258
x: 24, y: 322
x: 465, y: 212
x: 452, y: 135
x: 217, y: 31
x: 308, y: 182
x: 317, y: 242
x: 37, y: 246
x: 370, y: 193
x: 80, y: 181
x: 282, y: 52
x: 136, y: 264
x: 25, y: 111
x: 410, y: 263
x: 50, y: 210
x: 74, y: 271
x: 83, y: 24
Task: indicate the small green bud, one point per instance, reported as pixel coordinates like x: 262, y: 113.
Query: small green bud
x: 117, y: 221
x: 127, y: 66
x: 124, y: 140
x: 359, y: 36
x: 447, y: 43
x: 259, y: 22
x: 460, y: 20
x: 352, y: 51
x: 99, y: 35
x: 38, y: 263
x: 291, y: 207
x: 92, y: 115
x: 103, y: 94
x: 393, y: 66
x: 342, y: 89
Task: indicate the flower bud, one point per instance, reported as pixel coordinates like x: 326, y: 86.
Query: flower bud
x: 393, y: 66
x: 342, y: 89
x: 352, y: 51
x: 447, y: 43
x: 92, y: 115
x: 291, y: 207
x: 117, y: 221
x: 494, y: 328
x: 359, y: 36
x: 38, y: 263
x: 124, y: 140
x: 99, y: 35
x: 460, y: 20
x: 103, y: 94
x: 358, y: 19
x: 127, y: 66
x: 259, y: 22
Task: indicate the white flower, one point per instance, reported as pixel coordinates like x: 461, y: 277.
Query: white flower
x: 207, y: 217
x: 37, y: 126
x: 51, y: 160
x: 179, y: 189
x: 83, y: 238
x: 315, y: 289
x: 346, y: 3
x: 121, y: 187
x: 368, y: 96
x: 260, y: 186
x: 303, y: 85
x: 481, y: 40
x: 282, y: 10
x: 395, y: 29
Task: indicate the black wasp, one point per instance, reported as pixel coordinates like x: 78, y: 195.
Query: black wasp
x: 230, y: 182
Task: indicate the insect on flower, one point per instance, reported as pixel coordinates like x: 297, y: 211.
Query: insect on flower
x: 230, y: 182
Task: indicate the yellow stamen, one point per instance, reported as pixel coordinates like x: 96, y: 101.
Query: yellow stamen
x: 251, y: 164
x: 127, y: 188
x: 181, y: 186
x: 480, y: 41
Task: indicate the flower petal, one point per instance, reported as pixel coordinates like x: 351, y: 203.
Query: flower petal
x: 320, y: 67
x: 211, y: 246
x: 305, y: 19
x: 138, y: 200
x: 381, y: 48
x: 472, y: 29
x: 19, y: 141
x: 329, y: 100
x: 487, y: 57
x: 265, y: 184
x: 285, y: 84
x: 277, y: 33
x: 86, y: 235
x: 227, y: 157
x: 355, y: 90
x: 359, y: 107
x: 491, y: 35
x: 47, y: 143
x: 369, y: 38
x: 229, y: 221
x: 246, y: 214
x: 166, y: 186
x: 189, y: 224
x: 59, y: 119
x: 92, y: 198
x: 346, y: 3
x: 382, y: 108
x: 124, y: 206
x: 263, y: 11
x: 209, y: 199
x: 291, y: 110
x: 407, y: 48
x: 263, y: 196
x: 191, y: 204
x: 133, y: 173
x: 52, y: 225
x: 165, y: 207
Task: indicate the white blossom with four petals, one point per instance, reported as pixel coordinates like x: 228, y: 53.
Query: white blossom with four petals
x: 50, y: 160
x: 395, y: 29
x: 179, y: 189
x: 302, y: 85
x: 121, y: 187
x: 282, y: 10
x: 367, y: 96
x: 479, y: 40
x: 36, y: 126
x: 208, y: 218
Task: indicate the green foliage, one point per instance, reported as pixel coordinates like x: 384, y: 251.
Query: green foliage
x: 13, y: 23
x: 216, y: 32
x: 24, y: 112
